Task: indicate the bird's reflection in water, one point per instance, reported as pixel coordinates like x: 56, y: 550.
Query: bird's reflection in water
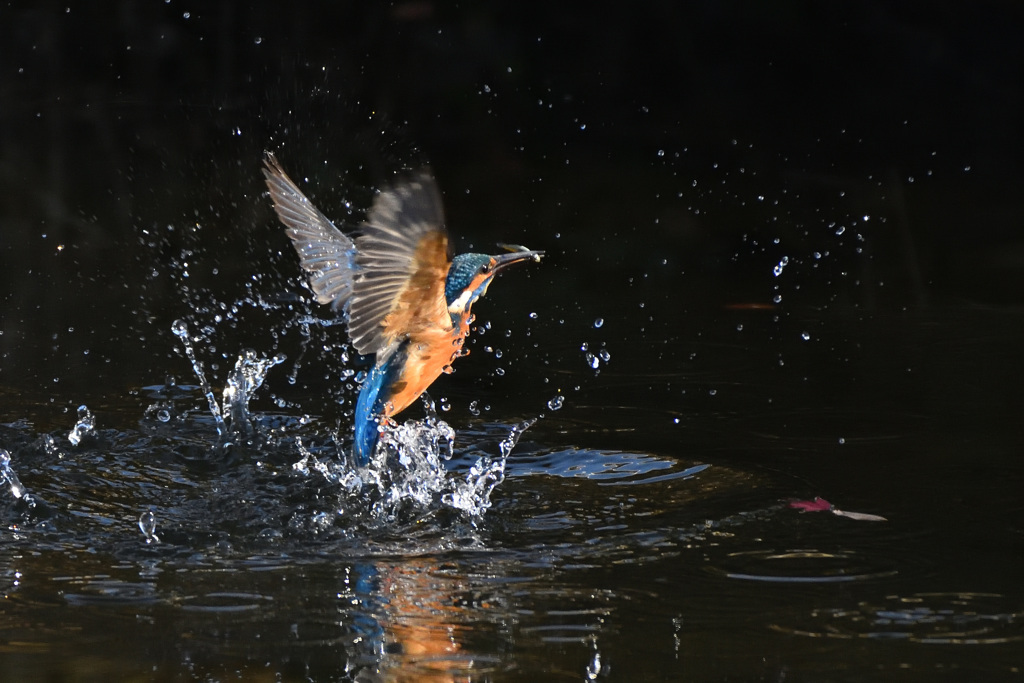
x: 425, y: 625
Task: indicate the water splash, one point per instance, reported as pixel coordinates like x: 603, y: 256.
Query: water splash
x: 407, y: 473
x: 242, y: 383
x: 594, y: 358
x: 86, y: 425
x: 180, y: 328
x: 8, y: 476
x: 147, y: 525
x: 407, y: 476
x: 331, y: 471
x: 594, y: 667
x: 247, y: 377
x: 407, y: 467
x: 780, y: 266
x: 49, y: 446
x: 473, y: 495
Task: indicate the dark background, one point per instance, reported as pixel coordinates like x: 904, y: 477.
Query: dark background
x: 666, y: 154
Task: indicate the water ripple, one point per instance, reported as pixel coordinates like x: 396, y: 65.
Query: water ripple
x: 929, y: 618
x: 609, y: 466
x: 802, y: 566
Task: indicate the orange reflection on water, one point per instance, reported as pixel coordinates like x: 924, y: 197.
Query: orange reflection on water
x: 425, y: 625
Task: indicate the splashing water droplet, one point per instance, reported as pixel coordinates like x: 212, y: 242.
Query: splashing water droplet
x: 50, y: 446
x: 85, y: 425
x: 556, y: 402
x: 806, y: 336
x: 599, y: 322
x: 8, y: 475
x: 244, y: 381
x: 474, y: 495
x: 147, y: 525
x: 474, y: 408
x: 406, y: 471
x: 781, y: 266
x: 180, y: 328
x: 594, y: 667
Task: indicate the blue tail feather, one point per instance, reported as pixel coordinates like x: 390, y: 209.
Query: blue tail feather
x: 370, y: 404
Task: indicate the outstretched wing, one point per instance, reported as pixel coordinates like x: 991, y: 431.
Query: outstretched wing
x: 402, y: 259
x: 324, y: 252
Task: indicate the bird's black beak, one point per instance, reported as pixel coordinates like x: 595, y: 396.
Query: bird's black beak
x: 516, y: 254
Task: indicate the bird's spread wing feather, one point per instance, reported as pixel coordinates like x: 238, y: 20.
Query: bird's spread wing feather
x: 402, y: 259
x: 324, y: 251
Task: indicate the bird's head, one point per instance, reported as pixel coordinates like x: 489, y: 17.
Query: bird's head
x: 470, y: 274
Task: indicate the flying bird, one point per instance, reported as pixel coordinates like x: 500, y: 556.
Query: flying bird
x: 405, y: 300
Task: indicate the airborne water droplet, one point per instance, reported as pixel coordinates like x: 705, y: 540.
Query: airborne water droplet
x: 7, y: 474
x: 147, y: 525
x: 781, y: 266
x: 556, y: 402
x: 599, y: 322
x: 85, y: 425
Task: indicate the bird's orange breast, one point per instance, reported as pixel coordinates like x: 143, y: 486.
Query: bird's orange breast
x: 429, y: 351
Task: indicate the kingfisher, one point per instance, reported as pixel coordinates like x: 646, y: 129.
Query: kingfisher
x: 406, y: 302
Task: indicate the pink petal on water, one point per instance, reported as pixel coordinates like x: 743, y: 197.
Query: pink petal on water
x: 816, y: 505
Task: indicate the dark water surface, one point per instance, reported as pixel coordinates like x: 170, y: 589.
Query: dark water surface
x: 623, y: 544
x: 784, y: 262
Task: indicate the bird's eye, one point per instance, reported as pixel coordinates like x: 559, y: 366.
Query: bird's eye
x: 485, y: 268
